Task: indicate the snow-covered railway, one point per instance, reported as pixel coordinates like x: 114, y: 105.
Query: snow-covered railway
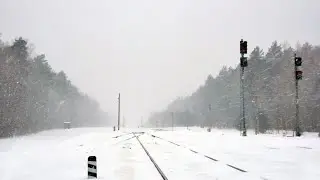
x: 174, y: 161
x: 191, y: 153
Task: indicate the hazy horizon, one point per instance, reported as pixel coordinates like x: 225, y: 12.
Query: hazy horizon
x: 152, y: 51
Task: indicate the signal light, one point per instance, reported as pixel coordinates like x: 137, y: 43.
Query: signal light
x: 298, y: 75
x: 243, y: 62
x: 297, y: 61
x: 243, y: 47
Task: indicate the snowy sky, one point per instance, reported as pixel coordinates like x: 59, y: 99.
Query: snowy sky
x: 152, y: 50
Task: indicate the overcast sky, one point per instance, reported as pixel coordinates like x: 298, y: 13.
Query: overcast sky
x: 152, y: 50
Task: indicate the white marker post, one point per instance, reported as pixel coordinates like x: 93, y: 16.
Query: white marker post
x: 92, y: 167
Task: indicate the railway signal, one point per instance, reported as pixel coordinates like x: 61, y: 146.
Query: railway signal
x: 243, y: 61
x: 297, y: 64
x: 243, y: 47
x: 298, y: 76
x: 243, y: 64
x: 297, y: 61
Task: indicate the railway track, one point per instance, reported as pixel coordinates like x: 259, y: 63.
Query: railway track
x: 164, y: 177
x: 196, y: 152
x: 172, y: 163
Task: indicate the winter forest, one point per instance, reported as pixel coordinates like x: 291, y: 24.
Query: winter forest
x: 269, y: 86
x: 33, y: 97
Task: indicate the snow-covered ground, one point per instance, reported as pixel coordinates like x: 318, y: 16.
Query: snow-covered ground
x: 62, y: 154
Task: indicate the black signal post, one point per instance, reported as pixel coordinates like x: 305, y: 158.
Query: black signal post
x: 298, y: 76
x: 243, y: 64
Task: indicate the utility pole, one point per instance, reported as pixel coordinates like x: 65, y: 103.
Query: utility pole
x: 119, y: 112
x: 257, y: 115
x: 162, y: 122
x: 209, y: 119
x: 243, y: 64
x: 298, y: 76
x: 172, y: 120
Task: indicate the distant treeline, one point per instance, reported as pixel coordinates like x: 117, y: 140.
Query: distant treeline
x: 269, y: 93
x: 33, y: 97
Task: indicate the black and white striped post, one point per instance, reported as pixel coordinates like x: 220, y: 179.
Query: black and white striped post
x: 92, y: 167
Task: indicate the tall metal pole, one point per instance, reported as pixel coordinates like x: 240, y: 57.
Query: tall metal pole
x: 172, y: 120
x: 163, y: 123
x: 119, y: 112
x: 297, y: 110
x: 209, y: 119
x: 243, y: 63
x: 297, y: 124
x: 257, y: 115
x: 244, y: 131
